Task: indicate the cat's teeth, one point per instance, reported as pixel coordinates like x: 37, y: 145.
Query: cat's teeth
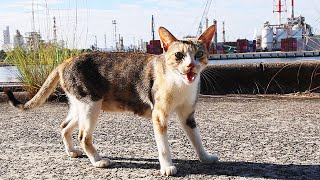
x: 191, y: 76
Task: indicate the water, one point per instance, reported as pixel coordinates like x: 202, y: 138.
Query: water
x: 10, y: 73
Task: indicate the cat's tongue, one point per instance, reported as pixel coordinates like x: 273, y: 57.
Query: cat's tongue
x: 190, y: 75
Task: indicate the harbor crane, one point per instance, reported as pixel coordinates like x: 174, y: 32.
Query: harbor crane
x: 203, y: 17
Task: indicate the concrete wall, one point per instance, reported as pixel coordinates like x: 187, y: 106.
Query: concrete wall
x: 261, y: 78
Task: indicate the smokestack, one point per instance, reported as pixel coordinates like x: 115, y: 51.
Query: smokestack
x: 216, y: 33
x: 152, y: 27
x: 292, y: 9
x: 223, y: 32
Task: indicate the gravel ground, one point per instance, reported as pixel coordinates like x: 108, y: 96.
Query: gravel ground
x: 255, y: 137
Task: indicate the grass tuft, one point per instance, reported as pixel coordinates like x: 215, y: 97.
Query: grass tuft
x: 34, y: 66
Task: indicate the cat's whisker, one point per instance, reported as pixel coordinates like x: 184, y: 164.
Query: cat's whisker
x: 214, y: 72
x: 208, y: 79
x: 204, y: 80
x: 211, y: 76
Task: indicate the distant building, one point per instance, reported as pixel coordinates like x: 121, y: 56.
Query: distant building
x: 33, y: 40
x: 6, y: 36
x: 18, y: 40
x: 6, y: 46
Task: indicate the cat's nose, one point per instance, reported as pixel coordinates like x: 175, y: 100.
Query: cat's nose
x: 191, y: 65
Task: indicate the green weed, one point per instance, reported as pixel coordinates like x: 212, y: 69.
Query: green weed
x: 34, y: 66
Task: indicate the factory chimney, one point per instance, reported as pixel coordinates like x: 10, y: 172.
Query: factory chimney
x: 223, y: 32
x: 216, y: 33
x: 152, y: 27
x: 292, y: 10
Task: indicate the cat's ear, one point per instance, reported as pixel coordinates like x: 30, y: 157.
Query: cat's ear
x: 166, y: 38
x: 206, y: 37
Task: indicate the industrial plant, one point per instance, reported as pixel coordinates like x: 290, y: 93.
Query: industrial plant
x: 292, y: 35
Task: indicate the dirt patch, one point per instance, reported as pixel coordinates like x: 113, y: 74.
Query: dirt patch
x: 255, y: 137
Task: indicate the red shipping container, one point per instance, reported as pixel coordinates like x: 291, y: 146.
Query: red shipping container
x: 289, y: 44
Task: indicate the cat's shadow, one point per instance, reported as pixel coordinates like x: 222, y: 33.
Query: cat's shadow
x: 240, y: 169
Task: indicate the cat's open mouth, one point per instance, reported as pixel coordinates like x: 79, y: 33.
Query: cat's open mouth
x: 188, y: 77
x: 191, y: 76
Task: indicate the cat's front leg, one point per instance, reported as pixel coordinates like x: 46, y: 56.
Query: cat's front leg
x: 159, y: 118
x: 188, y: 124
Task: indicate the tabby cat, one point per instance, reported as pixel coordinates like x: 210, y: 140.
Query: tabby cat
x: 153, y: 86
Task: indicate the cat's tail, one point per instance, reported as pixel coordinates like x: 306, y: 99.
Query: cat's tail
x: 42, y: 95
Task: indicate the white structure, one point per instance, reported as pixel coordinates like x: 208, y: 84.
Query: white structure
x: 267, y: 38
x: 296, y: 32
x: 281, y: 33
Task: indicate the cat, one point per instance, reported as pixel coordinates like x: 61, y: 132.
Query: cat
x: 153, y: 86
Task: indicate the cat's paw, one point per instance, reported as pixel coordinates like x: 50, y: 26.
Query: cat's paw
x: 103, y: 163
x: 209, y: 159
x: 168, y: 171
x: 75, y: 153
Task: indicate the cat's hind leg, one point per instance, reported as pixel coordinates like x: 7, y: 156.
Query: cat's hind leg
x: 188, y: 124
x: 88, y: 116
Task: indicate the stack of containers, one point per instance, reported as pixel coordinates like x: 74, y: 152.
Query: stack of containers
x: 252, y: 46
x: 219, y: 48
x: 242, y: 45
x: 154, y: 47
x: 289, y: 44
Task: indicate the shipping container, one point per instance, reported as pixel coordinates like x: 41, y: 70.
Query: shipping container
x: 155, y: 43
x: 252, y: 46
x: 289, y: 44
x: 154, y: 47
x: 242, y: 45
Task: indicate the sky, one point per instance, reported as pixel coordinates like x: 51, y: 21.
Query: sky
x: 80, y: 22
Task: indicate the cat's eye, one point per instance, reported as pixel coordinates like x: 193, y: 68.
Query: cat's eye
x: 179, y: 55
x: 199, y: 54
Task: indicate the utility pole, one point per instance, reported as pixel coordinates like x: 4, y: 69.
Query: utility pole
x: 33, y: 22
x: 54, y: 31
x: 114, y: 22
x: 96, y: 43
x: 105, y: 41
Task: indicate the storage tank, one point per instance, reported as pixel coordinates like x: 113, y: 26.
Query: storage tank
x: 296, y: 32
x: 281, y: 33
x: 267, y: 38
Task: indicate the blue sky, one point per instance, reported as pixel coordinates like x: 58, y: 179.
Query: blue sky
x: 181, y: 17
